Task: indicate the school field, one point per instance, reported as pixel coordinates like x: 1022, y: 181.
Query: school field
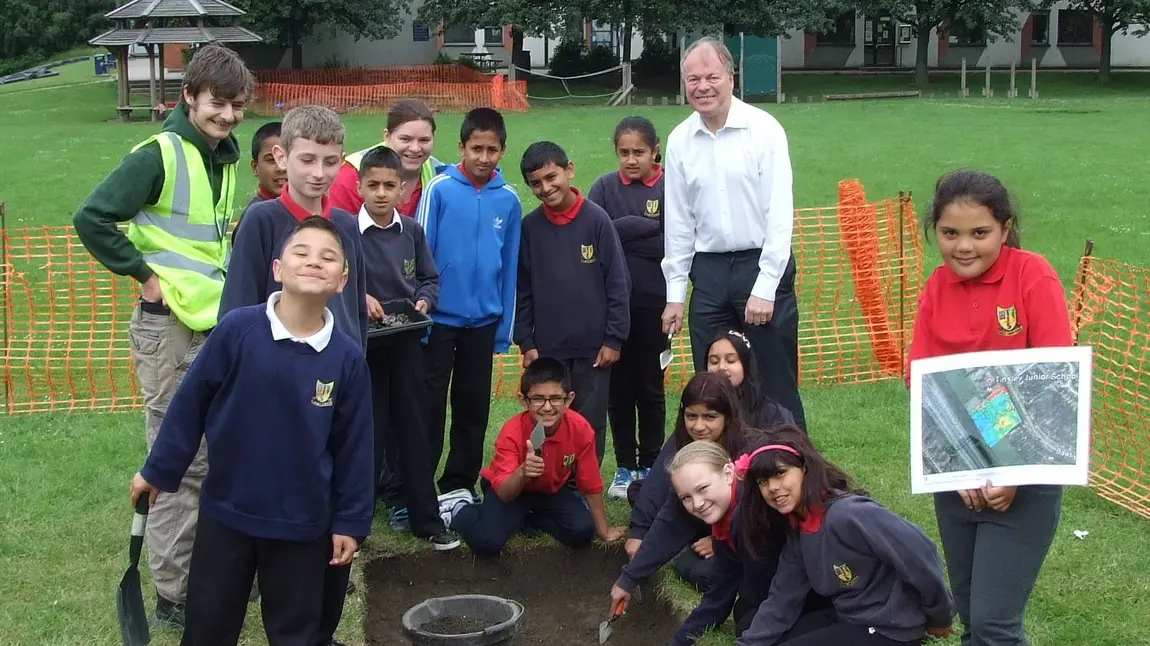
x: 1078, y: 163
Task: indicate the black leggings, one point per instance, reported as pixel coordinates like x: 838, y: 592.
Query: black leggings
x: 823, y: 628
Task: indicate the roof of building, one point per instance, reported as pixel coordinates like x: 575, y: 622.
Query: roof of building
x: 173, y: 9
x: 164, y: 35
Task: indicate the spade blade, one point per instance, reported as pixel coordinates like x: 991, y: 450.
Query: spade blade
x: 666, y: 355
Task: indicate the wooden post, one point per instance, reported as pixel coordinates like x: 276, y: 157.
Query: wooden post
x: 987, y: 91
x: 1013, y: 88
x: 163, y: 93
x: 963, y: 92
x: 152, y: 80
x: 123, y: 88
x: 1034, y: 78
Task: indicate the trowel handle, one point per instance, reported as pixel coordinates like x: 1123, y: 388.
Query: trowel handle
x: 620, y: 608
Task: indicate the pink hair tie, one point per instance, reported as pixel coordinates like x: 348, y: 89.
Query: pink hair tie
x: 744, y: 461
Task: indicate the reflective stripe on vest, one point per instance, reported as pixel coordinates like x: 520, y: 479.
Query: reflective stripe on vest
x: 183, y: 236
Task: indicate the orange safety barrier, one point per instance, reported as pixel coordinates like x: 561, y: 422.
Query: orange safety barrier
x: 449, y: 87
x: 66, y: 317
x: 1110, y: 311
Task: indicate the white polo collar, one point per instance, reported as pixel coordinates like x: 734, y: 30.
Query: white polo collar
x: 319, y: 340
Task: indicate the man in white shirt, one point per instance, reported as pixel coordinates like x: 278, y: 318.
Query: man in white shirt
x: 729, y: 213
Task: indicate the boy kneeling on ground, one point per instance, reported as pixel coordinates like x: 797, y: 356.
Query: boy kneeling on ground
x: 524, y: 487
x: 283, y: 399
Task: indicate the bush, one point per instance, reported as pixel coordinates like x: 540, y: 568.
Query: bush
x: 571, y: 58
x: 659, y: 60
x: 599, y: 58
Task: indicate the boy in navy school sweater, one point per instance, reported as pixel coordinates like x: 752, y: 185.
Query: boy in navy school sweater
x: 574, y: 291
x: 472, y: 218
x: 399, y: 267
x: 289, y: 490
x: 271, y: 177
x: 310, y: 151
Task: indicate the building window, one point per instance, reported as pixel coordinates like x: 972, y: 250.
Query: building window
x: 963, y: 35
x: 1040, y: 28
x: 466, y: 36
x: 1075, y: 27
x: 840, y: 32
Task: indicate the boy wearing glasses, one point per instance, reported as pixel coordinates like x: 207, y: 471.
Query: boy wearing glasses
x: 524, y: 487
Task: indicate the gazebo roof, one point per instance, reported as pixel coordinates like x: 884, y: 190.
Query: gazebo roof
x: 173, y: 9
x: 119, y: 37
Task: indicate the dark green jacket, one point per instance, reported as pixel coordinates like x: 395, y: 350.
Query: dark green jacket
x: 137, y: 182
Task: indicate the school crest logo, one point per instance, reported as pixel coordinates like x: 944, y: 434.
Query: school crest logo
x: 652, y: 208
x: 587, y: 253
x: 323, y: 393
x: 569, y: 461
x: 1008, y: 321
x: 409, y: 268
x: 845, y: 576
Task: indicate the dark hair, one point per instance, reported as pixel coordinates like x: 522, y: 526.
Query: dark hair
x: 643, y: 127
x: 754, y: 398
x: 408, y: 110
x: 265, y: 132
x: 713, y: 390
x: 483, y: 120
x: 319, y: 223
x: 221, y: 71
x: 540, y: 154
x: 763, y: 527
x: 380, y: 157
x: 545, y: 370
x: 975, y: 187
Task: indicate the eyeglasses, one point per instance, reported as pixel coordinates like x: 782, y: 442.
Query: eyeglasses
x: 537, y: 401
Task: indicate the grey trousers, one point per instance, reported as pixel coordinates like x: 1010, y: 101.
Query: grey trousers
x: 163, y: 349
x: 993, y: 559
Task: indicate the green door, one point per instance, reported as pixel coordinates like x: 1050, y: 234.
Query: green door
x: 759, y: 73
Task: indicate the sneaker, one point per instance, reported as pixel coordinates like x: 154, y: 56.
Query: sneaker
x: 397, y: 519
x: 169, y: 613
x: 445, y: 541
x: 350, y: 588
x: 618, y: 488
x: 641, y: 474
x: 448, y: 510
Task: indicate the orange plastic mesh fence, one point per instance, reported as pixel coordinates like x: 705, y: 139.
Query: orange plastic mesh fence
x: 65, y: 317
x: 1110, y: 307
x: 450, y: 88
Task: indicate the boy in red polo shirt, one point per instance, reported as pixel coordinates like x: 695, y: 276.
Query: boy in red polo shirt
x: 989, y: 294
x: 525, y: 486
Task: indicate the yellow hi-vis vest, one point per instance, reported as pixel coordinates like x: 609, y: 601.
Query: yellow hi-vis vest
x: 426, y: 171
x: 183, y: 237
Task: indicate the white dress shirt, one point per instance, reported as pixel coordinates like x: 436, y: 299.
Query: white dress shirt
x: 319, y: 340
x: 729, y: 190
x: 366, y: 222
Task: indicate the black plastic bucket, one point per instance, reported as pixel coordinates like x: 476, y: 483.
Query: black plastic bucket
x: 501, y: 617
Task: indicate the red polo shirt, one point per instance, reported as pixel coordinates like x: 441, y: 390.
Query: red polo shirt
x: 345, y: 195
x: 566, y: 215
x: 570, y: 450
x: 650, y: 182
x: 1018, y: 303
x: 299, y: 212
x: 721, y: 531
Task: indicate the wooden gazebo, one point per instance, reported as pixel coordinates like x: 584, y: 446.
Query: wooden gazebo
x: 155, y: 23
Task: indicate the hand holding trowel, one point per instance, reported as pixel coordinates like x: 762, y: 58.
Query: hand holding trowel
x: 666, y: 355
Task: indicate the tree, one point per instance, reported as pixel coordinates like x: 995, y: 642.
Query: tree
x: 34, y: 30
x: 289, y: 22
x: 994, y: 17
x: 526, y: 17
x: 1115, y: 16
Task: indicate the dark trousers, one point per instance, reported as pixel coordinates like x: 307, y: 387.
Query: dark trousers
x: 488, y: 526
x: 223, y: 565
x: 693, y: 568
x: 637, y: 386
x: 591, y: 386
x: 722, y: 286
x: 993, y: 559
x: 334, y: 595
x: 460, y: 358
x: 402, y: 450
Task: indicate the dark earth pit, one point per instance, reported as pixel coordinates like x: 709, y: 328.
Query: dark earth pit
x: 455, y: 625
x: 565, y: 594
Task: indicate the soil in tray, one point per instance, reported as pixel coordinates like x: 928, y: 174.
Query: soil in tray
x: 389, y: 321
x: 455, y: 625
x: 565, y: 594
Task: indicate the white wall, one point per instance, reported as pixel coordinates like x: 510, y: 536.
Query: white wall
x: 1129, y: 51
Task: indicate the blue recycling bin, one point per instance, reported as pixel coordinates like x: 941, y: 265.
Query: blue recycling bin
x: 101, y: 61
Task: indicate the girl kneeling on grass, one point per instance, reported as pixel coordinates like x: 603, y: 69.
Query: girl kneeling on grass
x: 730, y: 353
x: 989, y: 294
x: 882, y: 573
x: 707, y: 486
x: 708, y: 410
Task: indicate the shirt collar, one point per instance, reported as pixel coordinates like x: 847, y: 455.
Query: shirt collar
x: 650, y: 182
x: 992, y: 275
x: 722, y: 529
x: 299, y: 212
x: 319, y: 340
x: 567, y: 215
x: 366, y: 222
x: 813, y: 521
x: 265, y: 194
x: 737, y: 117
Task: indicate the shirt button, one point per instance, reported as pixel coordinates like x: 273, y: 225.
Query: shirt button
x: 976, y: 305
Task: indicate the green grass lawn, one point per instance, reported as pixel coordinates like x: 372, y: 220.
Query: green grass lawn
x: 1078, y: 166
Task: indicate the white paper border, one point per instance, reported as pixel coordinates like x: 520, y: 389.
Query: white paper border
x: 1072, y: 474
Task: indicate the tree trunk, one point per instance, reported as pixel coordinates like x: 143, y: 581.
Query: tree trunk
x: 628, y: 29
x: 1104, y: 53
x: 517, y: 47
x: 922, y: 46
x: 296, y: 51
